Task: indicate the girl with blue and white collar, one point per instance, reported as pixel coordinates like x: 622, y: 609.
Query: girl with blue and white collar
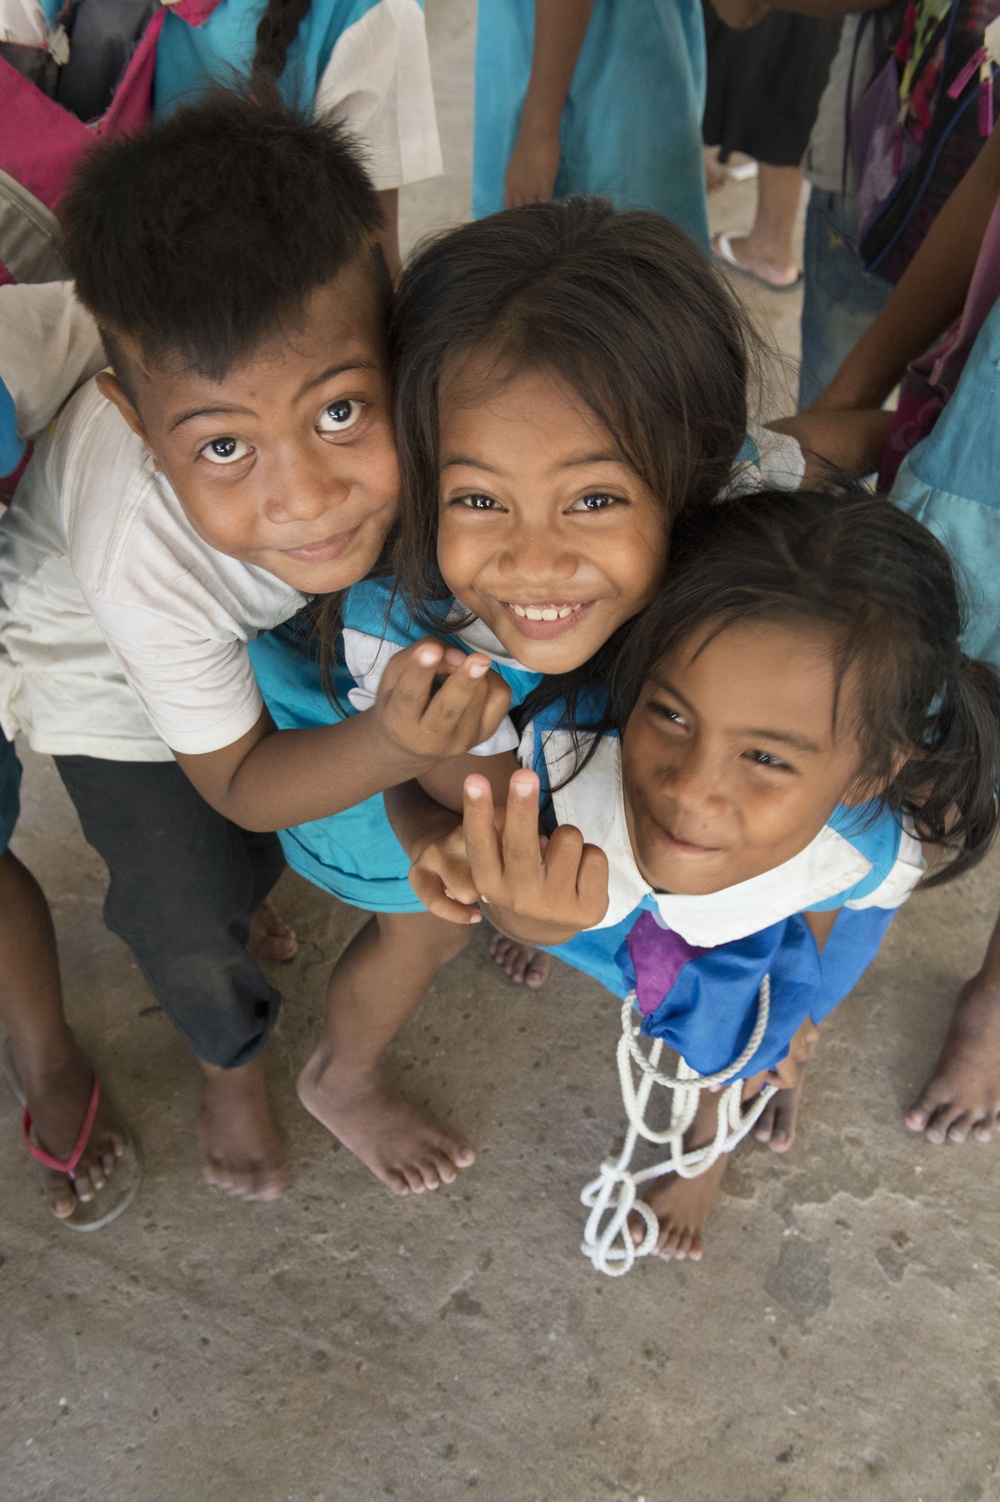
x: 795, y: 720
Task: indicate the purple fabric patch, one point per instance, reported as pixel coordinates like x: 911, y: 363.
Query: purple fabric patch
x: 658, y: 956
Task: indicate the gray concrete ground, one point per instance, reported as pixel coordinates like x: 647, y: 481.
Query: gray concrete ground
x: 839, y: 1340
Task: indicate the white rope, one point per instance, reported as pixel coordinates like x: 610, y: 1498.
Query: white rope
x: 613, y: 1196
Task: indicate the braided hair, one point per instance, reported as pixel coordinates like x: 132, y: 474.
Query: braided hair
x: 278, y: 28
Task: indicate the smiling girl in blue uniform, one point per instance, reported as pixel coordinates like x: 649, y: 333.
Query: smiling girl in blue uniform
x: 796, y: 718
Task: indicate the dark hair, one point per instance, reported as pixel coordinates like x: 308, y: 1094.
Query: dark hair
x: 623, y: 307
x: 276, y: 31
x: 928, y: 716
x: 203, y: 235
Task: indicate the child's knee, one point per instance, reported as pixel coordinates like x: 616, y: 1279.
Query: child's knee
x: 434, y: 938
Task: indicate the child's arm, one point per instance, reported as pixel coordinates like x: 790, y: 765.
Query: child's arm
x: 271, y: 779
x: 929, y: 296
x: 835, y: 444
x: 540, y: 890
x: 560, y: 27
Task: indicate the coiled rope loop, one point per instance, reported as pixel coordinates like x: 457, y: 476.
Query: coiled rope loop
x: 613, y: 1194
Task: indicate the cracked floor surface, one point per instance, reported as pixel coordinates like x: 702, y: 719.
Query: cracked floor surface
x: 838, y: 1341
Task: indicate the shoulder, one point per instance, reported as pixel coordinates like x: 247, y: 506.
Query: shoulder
x: 888, y: 845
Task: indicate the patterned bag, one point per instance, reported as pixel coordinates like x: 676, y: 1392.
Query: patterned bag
x: 920, y: 124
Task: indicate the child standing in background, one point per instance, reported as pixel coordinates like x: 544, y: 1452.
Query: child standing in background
x: 362, y: 62
x: 591, y: 96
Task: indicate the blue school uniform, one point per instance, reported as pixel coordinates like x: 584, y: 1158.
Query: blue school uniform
x: 363, y: 61
x: 950, y: 482
x: 631, y: 127
x: 696, y: 963
x: 354, y: 854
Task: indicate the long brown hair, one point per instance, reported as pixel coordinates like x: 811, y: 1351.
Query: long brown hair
x: 927, y: 716
x: 623, y: 307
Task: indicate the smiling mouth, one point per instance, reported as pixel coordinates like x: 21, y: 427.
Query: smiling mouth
x: 682, y: 847
x: 544, y: 621
x: 325, y: 550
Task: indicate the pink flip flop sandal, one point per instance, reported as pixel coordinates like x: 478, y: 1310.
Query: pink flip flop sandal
x: 123, y: 1185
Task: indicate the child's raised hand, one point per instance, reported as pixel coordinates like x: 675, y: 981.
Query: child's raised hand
x: 430, y: 720
x: 536, y: 889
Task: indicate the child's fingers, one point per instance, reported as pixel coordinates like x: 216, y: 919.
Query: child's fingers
x: 431, y: 891
x: 522, y: 857
x: 470, y: 690
x: 482, y: 843
x: 410, y: 676
x: 592, y: 883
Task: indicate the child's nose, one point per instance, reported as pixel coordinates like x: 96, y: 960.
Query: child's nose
x: 693, y: 781
x: 303, y: 489
x: 537, y: 557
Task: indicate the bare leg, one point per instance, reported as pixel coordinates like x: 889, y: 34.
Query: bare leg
x: 767, y: 249
x: 682, y: 1206
x: 271, y: 938
x: 241, y: 1154
x: 962, y: 1097
x: 777, y: 1121
x: 524, y: 965
x: 54, y: 1072
x: 375, y: 986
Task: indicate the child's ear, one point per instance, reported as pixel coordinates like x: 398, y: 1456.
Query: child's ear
x: 873, y: 787
x: 111, y: 388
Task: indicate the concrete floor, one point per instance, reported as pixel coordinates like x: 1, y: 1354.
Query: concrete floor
x: 839, y: 1340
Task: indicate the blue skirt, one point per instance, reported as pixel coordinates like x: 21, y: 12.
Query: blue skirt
x: 353, y: 854
x: 631, y: 128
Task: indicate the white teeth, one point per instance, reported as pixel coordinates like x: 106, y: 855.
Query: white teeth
x: 543, y: 612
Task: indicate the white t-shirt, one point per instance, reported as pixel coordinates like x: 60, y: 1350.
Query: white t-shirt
x: 122, y: 633
x: 378, y: 84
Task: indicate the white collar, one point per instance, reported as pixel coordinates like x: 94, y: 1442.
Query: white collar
x: 594, y: 802
x: 480, y: 638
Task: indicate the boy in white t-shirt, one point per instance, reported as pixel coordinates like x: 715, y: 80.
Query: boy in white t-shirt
x: 239, y: 461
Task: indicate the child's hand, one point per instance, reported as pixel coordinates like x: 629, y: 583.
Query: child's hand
x: 536, y: 889
x: 531, y: 172
x: 428, y: 720
x: 442, y: 878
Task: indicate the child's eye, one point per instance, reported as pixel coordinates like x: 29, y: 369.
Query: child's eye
x: 339, y: 416
x: 767, y: 759
x: 672, y: 716
x: 224, y: 451
x: 599, y: 501
x: 475, y: 501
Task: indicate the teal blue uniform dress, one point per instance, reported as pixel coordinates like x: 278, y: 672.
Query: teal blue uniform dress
x: 631, y: 127
x: 363, y: 62
x: 354, y: 854
x: 191, y: 57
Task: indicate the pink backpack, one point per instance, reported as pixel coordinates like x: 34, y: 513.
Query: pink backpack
x: 41, y: 142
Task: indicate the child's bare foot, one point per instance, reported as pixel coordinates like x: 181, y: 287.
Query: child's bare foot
x: 57, y: 1090
x: 241, y: 1154
x: 682, y: 1207
x: 776, y: 1123
x: 962, y: 1097
x: 403, y: 1149
x: 271, y: 938
x: 523, y: 964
